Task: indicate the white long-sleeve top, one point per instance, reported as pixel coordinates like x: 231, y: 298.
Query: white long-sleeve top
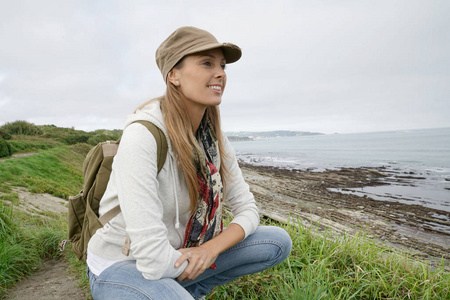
x: 155, y: 206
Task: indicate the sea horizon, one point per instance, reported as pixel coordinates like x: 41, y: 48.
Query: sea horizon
x: 389, y: 130
x: 340, y: 133
x: 421, y: 157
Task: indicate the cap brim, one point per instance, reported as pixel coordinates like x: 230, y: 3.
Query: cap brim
x: 231, y: 51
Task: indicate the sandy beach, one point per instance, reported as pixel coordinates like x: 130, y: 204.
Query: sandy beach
x: 284, y: 195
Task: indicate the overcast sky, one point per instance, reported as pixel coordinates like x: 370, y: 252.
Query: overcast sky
x: 324, y: 66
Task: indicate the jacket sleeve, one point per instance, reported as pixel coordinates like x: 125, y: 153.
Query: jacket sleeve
x: 136, y: 178
x: 237, y: 193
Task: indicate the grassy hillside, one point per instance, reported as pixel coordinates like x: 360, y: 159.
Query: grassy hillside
x: 55, y: 169
x: 321, y: 266
x: 26, y: 239
x: 24, y: 137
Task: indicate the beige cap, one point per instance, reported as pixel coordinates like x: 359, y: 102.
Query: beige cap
x: 189, y: 40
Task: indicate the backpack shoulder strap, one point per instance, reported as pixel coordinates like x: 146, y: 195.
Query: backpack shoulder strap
x: 161, y: 153
x: 161, y: 142
x: 109, y: 215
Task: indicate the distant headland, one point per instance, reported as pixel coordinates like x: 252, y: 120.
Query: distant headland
x: 235, y: 136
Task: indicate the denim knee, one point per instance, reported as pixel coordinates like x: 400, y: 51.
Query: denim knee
x: 278, y: 244
x: 282, y: 239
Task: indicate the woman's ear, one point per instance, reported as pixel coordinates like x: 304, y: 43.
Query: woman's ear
x: 172, y: 77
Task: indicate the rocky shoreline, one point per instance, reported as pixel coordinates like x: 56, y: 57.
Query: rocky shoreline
x: 290, y: 195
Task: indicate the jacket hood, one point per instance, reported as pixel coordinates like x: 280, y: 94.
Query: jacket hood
x: 150, y: 112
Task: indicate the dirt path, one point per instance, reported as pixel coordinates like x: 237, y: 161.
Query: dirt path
x: 18, y: 156
x: 38, y: 204
x: 51, y: 280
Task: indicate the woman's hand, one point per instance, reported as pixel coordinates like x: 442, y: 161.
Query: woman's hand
x: 199, y: 259
x: 202, y: 257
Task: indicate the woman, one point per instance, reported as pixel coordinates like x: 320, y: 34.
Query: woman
x: 173, y: 218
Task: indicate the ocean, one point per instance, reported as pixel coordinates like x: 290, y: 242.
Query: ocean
x: 417, y: 161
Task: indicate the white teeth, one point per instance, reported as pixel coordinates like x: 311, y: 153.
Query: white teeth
x: 215, y: 87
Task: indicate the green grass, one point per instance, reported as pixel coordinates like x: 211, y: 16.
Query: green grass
x: 31, y: 145
x: 56, y: 171
x: 324, y: 267
x: 24, y: 241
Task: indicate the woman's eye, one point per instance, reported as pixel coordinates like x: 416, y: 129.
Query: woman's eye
x: 223, y: 66
x: 207, y: 63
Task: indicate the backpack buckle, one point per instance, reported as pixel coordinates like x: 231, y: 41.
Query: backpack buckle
x: 62, y: 245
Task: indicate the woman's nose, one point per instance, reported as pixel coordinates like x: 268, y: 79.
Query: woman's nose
x: 220, y: 73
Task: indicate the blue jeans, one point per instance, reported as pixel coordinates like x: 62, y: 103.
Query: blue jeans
x: 266, y: 247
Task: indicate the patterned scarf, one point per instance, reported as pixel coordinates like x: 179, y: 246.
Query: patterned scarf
x: 206, y: 222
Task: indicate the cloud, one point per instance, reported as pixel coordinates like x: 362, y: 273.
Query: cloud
x: 307, y: 65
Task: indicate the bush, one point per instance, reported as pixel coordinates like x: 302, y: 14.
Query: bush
x: 22, y: 128
x: 103, y: 136
x: 4, y: 135
x: 5, y: 148
x: 22, y: 146
x: 75, y: 138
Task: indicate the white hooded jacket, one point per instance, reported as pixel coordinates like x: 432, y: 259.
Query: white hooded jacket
x: 155, y: 206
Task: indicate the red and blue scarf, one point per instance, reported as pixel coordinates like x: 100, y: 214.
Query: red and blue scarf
x: 206, y: 222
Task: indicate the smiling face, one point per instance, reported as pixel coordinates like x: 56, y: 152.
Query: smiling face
x: 201, y: 79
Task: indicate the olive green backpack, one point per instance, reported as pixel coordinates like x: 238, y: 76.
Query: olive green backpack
x: 83, y: 208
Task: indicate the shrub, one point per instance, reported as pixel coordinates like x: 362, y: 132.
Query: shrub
x: 76, y: 138
x: 21, y: 146
x: 5, y: 148
x: 4, y: 135
x: 22, y: 128
x: 58, y: 133
x: 103, y: 136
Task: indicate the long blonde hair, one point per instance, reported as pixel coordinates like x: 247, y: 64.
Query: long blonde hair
x: 182, y: 138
